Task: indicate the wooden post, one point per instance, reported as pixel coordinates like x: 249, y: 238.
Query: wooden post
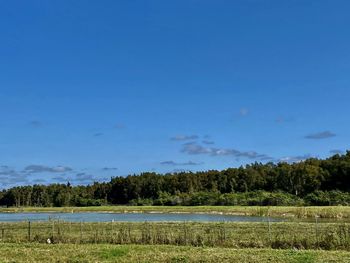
x: 81, y: 232
x: 58, y: 228
x: 112, y: 232
x: 185, y: 233
x: 316, y: 229
x: 269, y: 223
x: 96, y: 233
x: 29, y: 231
x: 53, y: 229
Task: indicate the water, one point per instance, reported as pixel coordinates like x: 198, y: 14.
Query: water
x: 129, y: 217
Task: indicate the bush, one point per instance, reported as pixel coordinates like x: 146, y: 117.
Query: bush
x: 254, y: 198
x: 204, y: 198
x: 141, y: 202
x: 89, y: 202
x: 328, y: 198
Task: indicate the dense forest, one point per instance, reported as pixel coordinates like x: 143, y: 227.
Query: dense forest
x: 310, y: 182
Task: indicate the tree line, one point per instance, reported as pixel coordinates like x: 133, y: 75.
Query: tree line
x: 310, y: 182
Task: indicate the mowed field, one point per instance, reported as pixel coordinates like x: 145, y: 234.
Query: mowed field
x: 30, y: 252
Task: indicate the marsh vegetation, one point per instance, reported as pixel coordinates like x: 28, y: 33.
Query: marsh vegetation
x: 282, y: 235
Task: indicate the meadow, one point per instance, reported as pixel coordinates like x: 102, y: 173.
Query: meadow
x: 278, y: 235
x: 306, y: 234
x: 74, y: 253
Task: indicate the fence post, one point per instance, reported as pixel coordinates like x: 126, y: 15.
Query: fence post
x: 29, y: 230
x: 112, y: 231
x: 316, y: 229
x: 97, y: 230
x: 2, y: 233
x: 129, y: 233
x: 58, y: 228
x: 269, y: 224
x: 53, y: 229
x: 81, y: 232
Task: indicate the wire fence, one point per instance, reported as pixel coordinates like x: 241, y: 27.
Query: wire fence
x: 226, y: 234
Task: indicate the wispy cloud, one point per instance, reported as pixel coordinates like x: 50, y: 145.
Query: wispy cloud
x: 195, y: 148
x: 119, y: 126
x: 60, y: 179
x: 78, y: 178
x: 243, y: 112
x: 7, y: 171
x: 180, y: 164
x: 208, y: 142
x: 294, y: 159
x: 98, y: 134
x: 41, y: 174
x: 83, y: 177
x: 89, y: 178
x: 35, y: 124
x: 184, y: 137
x: 281, y: 119
x: 11, y: 177
x: 109, y: 168
x: 42, y: 168
x: 336, y: 151
x: 320, y: 135
x: 177, y: 170
x: 39, y: 181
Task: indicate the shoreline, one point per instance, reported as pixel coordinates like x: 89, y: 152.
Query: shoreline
x: 332, y: 212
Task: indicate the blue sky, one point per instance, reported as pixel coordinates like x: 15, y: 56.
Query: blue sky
x: 91, y: 89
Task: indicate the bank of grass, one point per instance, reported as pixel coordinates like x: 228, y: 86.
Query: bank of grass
x: 172, y: 254
x: 278, y: 235
x: 276, y: 211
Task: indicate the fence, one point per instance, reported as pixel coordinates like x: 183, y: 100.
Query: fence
x: 267, y: 234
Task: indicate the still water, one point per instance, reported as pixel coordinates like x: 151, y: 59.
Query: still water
x: 129, y: 217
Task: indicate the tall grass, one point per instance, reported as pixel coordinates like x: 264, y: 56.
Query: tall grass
x: 329, y: 236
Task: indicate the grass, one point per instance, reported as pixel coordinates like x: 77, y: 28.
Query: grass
x: 173, y: 254
x: 277, y: 211
x: 113, y: 253
x: 291, y: 241
x: 188, y: 254
x: 281, y: 235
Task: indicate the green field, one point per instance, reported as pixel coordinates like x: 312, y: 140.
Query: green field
x: 282, y: 235
x: 302, y: 240
x: 278, y: 211
x: 146, y: 253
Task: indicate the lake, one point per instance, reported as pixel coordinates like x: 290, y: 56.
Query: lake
x: 130, y: 217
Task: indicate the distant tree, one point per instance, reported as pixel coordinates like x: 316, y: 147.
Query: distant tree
x: 313, y: 181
